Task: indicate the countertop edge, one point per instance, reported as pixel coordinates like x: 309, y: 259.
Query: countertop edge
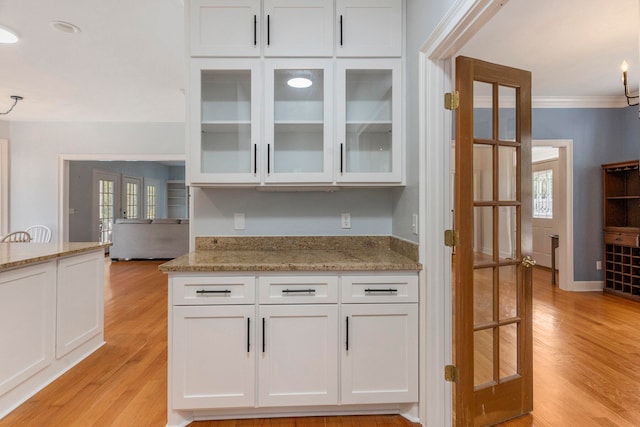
x: 59, y: 252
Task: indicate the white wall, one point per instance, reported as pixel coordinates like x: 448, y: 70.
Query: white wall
x: 4, y: 129
x: 34, y: 149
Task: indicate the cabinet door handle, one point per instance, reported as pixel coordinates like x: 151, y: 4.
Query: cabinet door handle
x: 248, y: 334
x: 268, y: 30
x: 255, y: 158
x: 268, y: 158
x: 347, y: 334
x: 207, y: 291
x: 341, y: 158
x: 340, y: 30
x: 263, y: 339
x: 255, y: 30
x: 297, y: 291
x: 389, y: 290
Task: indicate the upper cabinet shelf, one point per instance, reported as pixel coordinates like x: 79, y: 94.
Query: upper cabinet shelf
x: 295, y: 28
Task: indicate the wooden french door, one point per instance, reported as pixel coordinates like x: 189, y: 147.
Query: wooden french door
x: 491, y: 262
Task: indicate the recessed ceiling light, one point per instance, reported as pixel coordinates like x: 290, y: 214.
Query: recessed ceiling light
x: 7, y: 35
x: 299, y: 82
x: 65, y: 27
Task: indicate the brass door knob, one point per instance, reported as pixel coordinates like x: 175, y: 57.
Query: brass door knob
x: 528, y: 262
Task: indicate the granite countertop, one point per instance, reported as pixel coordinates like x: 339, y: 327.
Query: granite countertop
x: 14, y: 255
x: 300, y: 253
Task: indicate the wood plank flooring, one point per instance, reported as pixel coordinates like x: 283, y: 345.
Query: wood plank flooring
x: 586, y: 364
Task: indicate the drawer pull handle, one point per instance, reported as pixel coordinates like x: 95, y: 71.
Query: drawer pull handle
x: 298, y: 291
x: 389, y: 290
x: 263, y: 338
x: 207, y: 291
x: 347, y: 334
x: 248, y: 334
x: 618, y: 239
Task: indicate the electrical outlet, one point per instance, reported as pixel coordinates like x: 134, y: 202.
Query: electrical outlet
x: 598, y: 265
x: 414, y: 223
x: 238, y: 221
x: 346, y: 220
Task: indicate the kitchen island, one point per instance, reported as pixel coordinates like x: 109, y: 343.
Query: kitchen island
x: 290, y: 326
x: 51, y: 313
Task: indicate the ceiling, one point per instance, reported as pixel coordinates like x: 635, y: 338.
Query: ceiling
x: 574, y: 48
x: 126, y: 64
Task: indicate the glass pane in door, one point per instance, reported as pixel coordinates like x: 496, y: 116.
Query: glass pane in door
x: 495, y: 235
x: 368, y: 139
x: 298, y: 140
x: 226, y: 121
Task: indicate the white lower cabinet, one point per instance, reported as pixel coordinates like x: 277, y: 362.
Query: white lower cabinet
x: 213, y: 356
x: 379, y: 353
x: 79, y: 307
x: 298, y: 363
x: 285, y: 345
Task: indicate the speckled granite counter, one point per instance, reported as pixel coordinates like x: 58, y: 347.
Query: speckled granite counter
x: 14, y: 255
x: 299, y: 253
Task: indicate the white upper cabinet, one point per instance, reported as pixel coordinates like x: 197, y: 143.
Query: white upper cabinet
x: 224, y: 121
x: 224, y: 27
x: 369, y: 132
x: 298, y: 121
x: 298, y: 27
x: 369, y: 28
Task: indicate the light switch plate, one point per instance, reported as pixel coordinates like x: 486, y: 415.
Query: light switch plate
x: 346, y: 220
x: 238, y: 221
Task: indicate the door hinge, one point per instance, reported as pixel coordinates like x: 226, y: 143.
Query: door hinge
x: 452, y: 100
x: 451, y: 373
x: 451, y: 238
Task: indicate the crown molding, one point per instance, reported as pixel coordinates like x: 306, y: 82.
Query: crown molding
x: 558, y: 102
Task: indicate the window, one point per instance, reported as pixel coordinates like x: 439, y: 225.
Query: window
x: 105, y: 209
x: 543, y: 194
x: 132, y: 200
x: 151, y: 201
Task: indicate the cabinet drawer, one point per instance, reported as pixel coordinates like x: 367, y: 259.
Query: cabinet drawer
x: 380, y: 288
x: 213, y: 290
x: 298, y: 289
x: 621, y: 239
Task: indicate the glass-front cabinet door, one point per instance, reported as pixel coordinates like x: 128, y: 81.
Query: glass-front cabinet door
x: 225, y: 121
x: 298, y: 121
x: 369, y: 139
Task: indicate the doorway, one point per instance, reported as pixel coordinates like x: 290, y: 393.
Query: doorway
x: 64, y: 161
x: 564, y: 252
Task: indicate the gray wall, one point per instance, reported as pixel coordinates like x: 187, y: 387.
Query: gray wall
x: 81, y: 189
x: 422, y: 17
x: 291, y: 213
x: 600, y: 136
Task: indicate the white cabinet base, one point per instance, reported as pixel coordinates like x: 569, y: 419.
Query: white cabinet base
x: 183, y: 418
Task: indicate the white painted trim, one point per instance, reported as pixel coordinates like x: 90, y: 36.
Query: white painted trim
x: 462, y: 21
x: 579, y: 102
x: 557, y: 102
x: 565, y: 248
x: 4, y: 186
x: 63, y: 178
x: 584, y: 286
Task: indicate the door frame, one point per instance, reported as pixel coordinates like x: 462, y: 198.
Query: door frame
x: 4, y: 186
x: 565, y: 232
x: 435, y: 77
x: 63, y: 179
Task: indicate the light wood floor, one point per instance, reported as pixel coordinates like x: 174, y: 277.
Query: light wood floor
x: 586, y: 364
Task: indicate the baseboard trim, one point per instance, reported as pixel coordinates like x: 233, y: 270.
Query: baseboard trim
x: 586, y: 286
